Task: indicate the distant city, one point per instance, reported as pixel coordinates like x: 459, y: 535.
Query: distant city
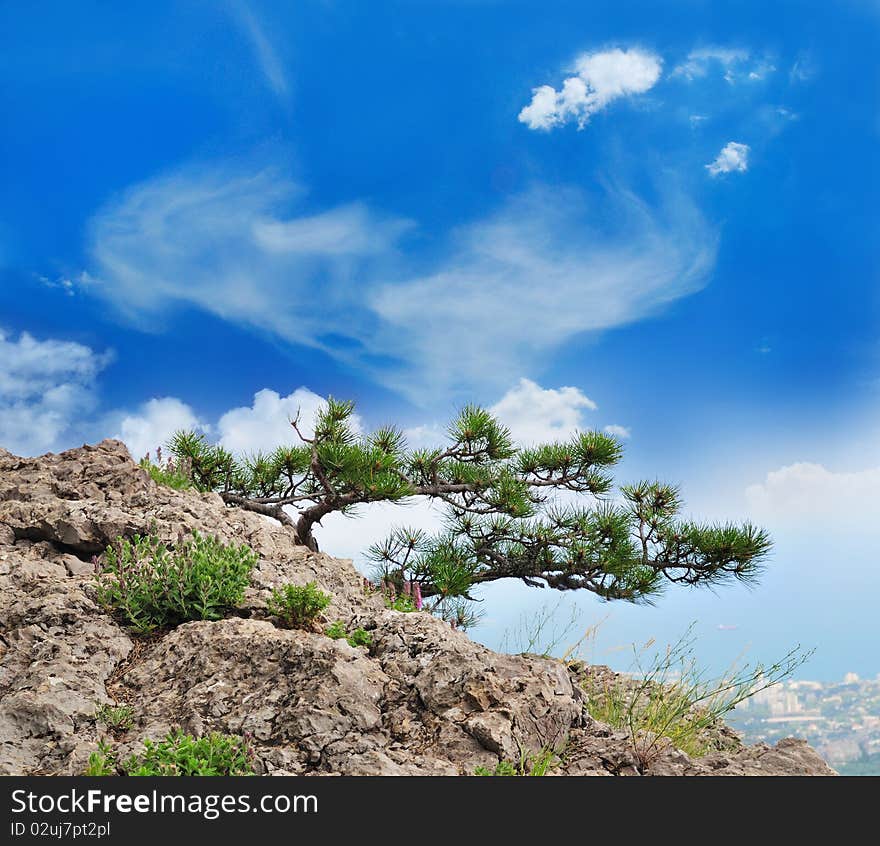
x: 840, y: 719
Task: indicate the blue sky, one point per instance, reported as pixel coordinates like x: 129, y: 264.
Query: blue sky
x: 661, y: 216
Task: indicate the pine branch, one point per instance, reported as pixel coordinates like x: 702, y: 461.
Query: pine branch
x: 496, y: 497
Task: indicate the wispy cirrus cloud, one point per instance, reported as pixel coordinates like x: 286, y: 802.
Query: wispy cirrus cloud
x: 225, y: 241
x: 264, y: 50
x: 599, y: 78
x: 509, y: 287
x: 735, y: 63
x: 551, y: 264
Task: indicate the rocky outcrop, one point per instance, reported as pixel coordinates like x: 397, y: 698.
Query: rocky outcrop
x: 423, y: 699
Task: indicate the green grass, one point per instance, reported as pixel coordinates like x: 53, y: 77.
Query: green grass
x: 115, y: 717
x: 537, y: 764
x: 178, y: 754
x: 148, y: 585
x: 670, y: 700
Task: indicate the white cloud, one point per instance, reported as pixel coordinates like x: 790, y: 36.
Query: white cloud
x: 266, y: 423
x: 734, y: 63
x: 535, y: 414
x: 220, y: 240
x: 548, y: 266
x: 699, y: 62
x: 808, y: 495
x: 733, y: 158
x: 803, y: 70
x: 760, y: 71
x: 425, y: 436
x: 600, y: 78
x: 264, y: 50
x: 350, y: 536
x: 45, y: 389
x: 261, y: 426
x: 154, y: 423
x: 617, y: 431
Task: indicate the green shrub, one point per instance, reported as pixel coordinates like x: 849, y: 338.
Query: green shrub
x: 359, y: 637
x: 116, y: 717
x: 297, y: 606
x: 537, y: 764
x: 336, y: 630
x: 179, y: 754
x: 149, y: 586
x: 102, y: 762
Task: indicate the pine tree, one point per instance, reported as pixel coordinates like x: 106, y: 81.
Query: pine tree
x: 545, y: 515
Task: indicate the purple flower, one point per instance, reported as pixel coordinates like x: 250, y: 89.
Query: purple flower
x: 417, y: 595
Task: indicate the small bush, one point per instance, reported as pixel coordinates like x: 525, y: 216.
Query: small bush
x: 359, y: 637
x: 298, y: 606
x: 179, y: 754
x: 336, y: 630
x: 538, y: 764
x: 150, y: 586
x: 115, y: 717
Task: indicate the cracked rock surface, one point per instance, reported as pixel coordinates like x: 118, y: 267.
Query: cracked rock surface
x: 422, y: 700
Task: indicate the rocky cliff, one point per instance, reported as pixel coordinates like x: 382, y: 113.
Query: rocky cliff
x: 424, y: 699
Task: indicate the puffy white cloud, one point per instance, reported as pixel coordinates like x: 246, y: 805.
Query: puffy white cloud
x: 601, y: 78
x: 733, y: 158
x: 154, y: 423
x: 266, y: 423
x: 261, y: 426
x: 617, y: 431
x: 809, y: 495
x: 535, y: 414
x: 45, y: 389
